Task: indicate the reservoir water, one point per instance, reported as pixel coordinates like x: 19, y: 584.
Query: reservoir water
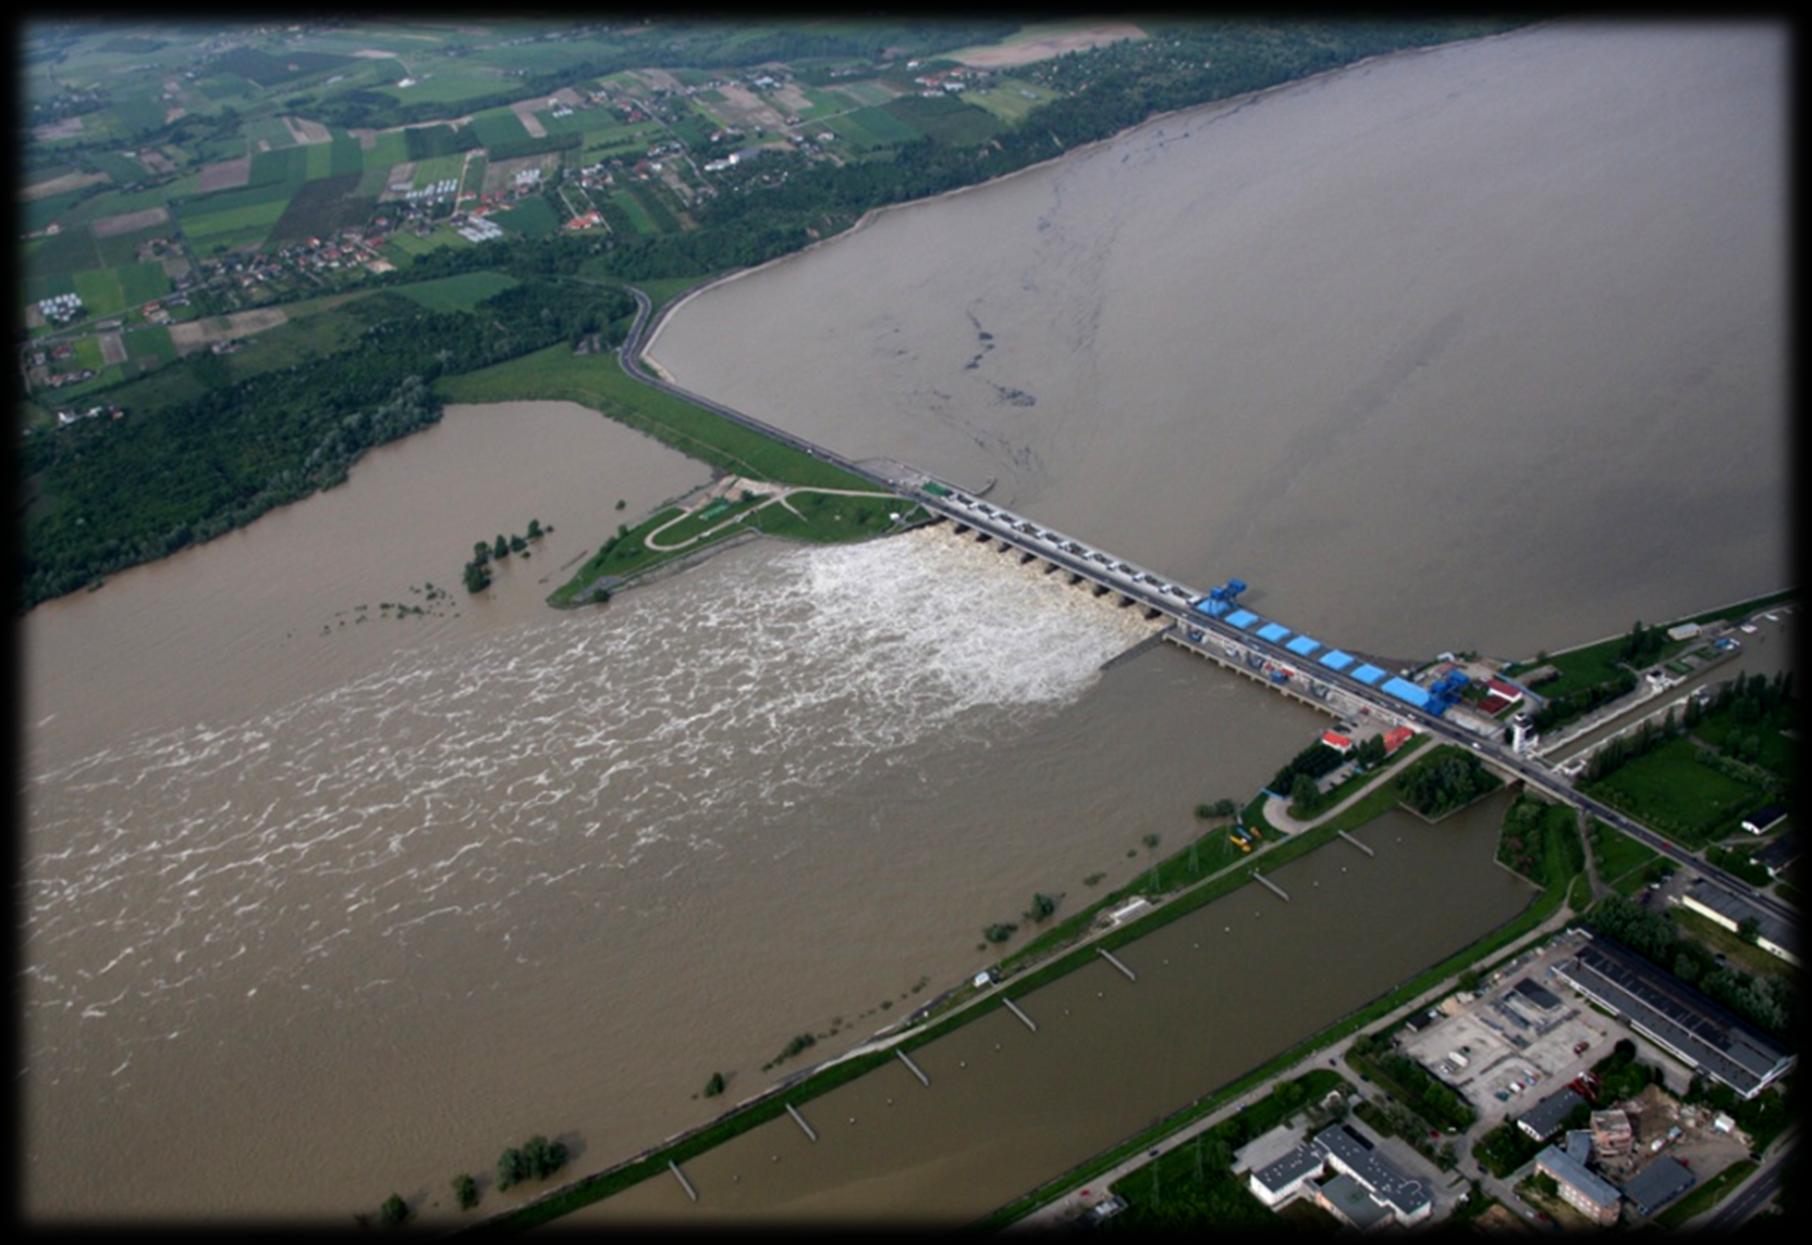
x: 1479, y: 346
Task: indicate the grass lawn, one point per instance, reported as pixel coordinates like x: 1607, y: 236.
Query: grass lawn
x: 1742, y: 955
x: 597, y: 381
x: 1616, y: 853
x: 1671, y: 790
x: 1699, y: 1200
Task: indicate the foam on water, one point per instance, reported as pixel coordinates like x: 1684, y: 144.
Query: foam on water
x: 472, y: 783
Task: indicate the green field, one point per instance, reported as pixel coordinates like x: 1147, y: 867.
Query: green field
x: 598, y: 382
x: 1671, y: 790
x: 1011, y: 99
x: 532, y: 216
x: 653, y: 205
x: 100, y: 291
x: 150, y: 346
x: 460, y: 293
x: 947, y: 119
x: 871, y: 127
x: 438, y: 169
x: 499, y: 125
x: 447, y: 86
x: 1617, y: 854
x: 234, y: 226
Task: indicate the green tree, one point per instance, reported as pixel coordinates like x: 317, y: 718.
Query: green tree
x: 477, y: 577
x: 1748, y: 929
x: 393, y: 1212
x: 481, y: 552
x: 534, y: 529
x: 512, y: 1168
x: 1305, y: 796
x: 1042, y: 906
x: 517, y: 544
x: 500, y: 548
x: 466, y: 1190
x: 715, y: 1085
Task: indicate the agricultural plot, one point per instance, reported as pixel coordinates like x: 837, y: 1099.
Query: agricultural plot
x: 534, y: 217
x: 450, y: 86
x: 871, y: 127
x: 321, y: 208
x: 946, y: 119
x: 338, y: 158
x: 140, y: 283
x: 633, y: 211
x: 262, y: 68
x: 268, y: 130
x: 438, y: 169
x: 459, y: 293
x: 150, y: 347
x: 117, y: 167
x: 1010, y: 99
x: 499, y: 125
x: 245, y: 225
x: 865, y: 92
x: 653, y: 203
x: 67, y: 252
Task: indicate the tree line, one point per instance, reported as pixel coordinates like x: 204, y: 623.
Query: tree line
x: 1766, y: 1002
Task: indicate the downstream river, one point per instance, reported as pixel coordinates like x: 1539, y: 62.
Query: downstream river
x: 317, y: 908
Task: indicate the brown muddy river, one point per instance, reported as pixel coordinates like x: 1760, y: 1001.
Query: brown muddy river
x: 314, y: 909
x: 1218, y: 992
x: 1481, y: 346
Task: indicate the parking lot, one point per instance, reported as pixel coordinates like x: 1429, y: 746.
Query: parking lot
x: 1512, y: 1043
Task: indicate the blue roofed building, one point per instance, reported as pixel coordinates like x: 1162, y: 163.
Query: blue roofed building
x: 1302, y: 646
x: 1334, y: 659
x: 1274, y: 632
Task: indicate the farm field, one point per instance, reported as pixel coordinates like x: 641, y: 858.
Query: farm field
x: 460, y: 293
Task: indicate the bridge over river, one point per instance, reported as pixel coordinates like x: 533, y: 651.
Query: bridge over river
x: 1335, y: 690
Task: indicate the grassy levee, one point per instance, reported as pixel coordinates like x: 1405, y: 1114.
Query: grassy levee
x: 599, y: 382
x: 1707, y: 1195
x: 1205, y: 857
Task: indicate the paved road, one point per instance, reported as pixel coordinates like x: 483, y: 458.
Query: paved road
x: 1174, y: 600
x: 1752, y: 1194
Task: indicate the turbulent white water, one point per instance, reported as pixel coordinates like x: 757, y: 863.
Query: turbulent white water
x: 479, y: 783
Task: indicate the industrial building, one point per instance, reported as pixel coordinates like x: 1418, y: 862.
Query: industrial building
x: 1587, y: 1192
x: 1779, y: 854
x: 1730, y: 911
x: 1676, y: 1017
x: 1612, y: 1135
x: 1365, y: 1190
x: 1658, y: 1184
x: 1544, y: 1119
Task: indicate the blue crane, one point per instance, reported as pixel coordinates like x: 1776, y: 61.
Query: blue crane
x: 1220, y: 600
